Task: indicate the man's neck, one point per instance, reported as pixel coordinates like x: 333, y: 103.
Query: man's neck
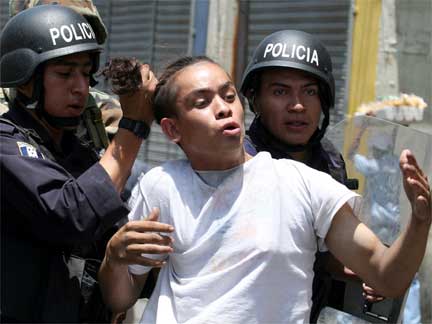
x: 207, y: 163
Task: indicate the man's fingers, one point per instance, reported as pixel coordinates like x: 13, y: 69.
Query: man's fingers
x: 139, y: 259
x: 148, y: 237
x: 408, y: 162
x: 148, y: 226
x: 148, y: 77
x: 149, y: 249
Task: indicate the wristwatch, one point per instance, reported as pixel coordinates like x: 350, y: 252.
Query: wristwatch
x: 139, y: 128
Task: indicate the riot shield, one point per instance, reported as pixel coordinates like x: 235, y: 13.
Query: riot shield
x: 371, y: 149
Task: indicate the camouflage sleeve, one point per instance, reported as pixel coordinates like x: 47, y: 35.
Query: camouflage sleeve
x: 100, y: 119
x: 110, y: 109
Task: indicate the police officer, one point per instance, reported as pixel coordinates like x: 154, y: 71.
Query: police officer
x: 58, y: 203
x: 102, y: 110
x: 291, y: 89
x: 91, y: 128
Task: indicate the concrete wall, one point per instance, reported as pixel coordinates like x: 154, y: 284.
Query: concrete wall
x: 414, y: 51
x: 405, y: 65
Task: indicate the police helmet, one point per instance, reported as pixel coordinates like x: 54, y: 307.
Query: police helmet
x: 83, y: 7
x: 292, y: 49
x: 39, y: 34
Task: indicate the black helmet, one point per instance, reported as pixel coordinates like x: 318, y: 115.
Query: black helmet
x: 298, y: 50
x: 83, y: 7
x: 39, y: 34
x: 292, y: 49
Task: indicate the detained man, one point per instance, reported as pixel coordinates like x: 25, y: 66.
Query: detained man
x: 235, y: 236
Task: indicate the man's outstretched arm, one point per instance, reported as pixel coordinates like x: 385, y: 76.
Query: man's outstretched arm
x: 388, y: 269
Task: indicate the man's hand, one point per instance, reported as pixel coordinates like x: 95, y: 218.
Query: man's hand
x: 416, y: 187
x: 138, y: 237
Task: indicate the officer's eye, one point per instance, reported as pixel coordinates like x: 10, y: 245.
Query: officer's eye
x: 311, y: 91
x: 87, y: 74
x: 280, y: 92
x: 64, y: 74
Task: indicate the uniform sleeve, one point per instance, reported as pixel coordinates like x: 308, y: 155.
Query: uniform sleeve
x: 145, y: 197
x: 50, y: 200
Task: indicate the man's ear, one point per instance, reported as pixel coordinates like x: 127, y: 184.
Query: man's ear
x: 170, y: 128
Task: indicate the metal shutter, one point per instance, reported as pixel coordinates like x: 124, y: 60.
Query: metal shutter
x: 156, y: 32
x: 329, y: 20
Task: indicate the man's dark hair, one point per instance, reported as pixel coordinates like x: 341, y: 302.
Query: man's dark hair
x: 165, y: 92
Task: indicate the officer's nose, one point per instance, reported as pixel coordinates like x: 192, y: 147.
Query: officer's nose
x: 295, y: 103
x: 223, y: 109
x: 80, y: 84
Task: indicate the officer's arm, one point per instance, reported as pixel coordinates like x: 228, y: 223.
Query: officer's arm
x: 122, y: 152
x: 388, y: 270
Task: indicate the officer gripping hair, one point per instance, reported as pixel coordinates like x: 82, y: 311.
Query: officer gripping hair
x: 63, y: 201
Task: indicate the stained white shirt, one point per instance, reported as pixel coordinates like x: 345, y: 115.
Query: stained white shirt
x: 244, y: 250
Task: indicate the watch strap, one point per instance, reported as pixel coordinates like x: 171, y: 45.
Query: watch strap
x: 138, y: 127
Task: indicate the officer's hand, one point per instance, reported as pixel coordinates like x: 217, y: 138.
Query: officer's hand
x: 138, y: 104
x: 138, y: 237
x: 370, y: 294
x: 416, y: 187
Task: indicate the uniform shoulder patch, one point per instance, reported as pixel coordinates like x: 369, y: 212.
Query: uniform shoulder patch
x: 29, y: 150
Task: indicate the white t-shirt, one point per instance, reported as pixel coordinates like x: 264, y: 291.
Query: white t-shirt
x: 243, y: 251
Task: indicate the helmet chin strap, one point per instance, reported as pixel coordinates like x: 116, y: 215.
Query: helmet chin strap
x: 61, y: 122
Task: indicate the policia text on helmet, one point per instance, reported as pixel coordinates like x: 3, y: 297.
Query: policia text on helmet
x: 34, y: 37
x: 296, y: 50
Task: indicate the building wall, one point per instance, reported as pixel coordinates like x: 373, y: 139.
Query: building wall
x: 414, y: 34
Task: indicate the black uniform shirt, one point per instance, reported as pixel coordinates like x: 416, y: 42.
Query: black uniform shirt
x: 53, y: 199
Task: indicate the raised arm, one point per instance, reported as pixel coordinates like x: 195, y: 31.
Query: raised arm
x: 120, y: 288
x: 388, y: 269
x: 121, y: 153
